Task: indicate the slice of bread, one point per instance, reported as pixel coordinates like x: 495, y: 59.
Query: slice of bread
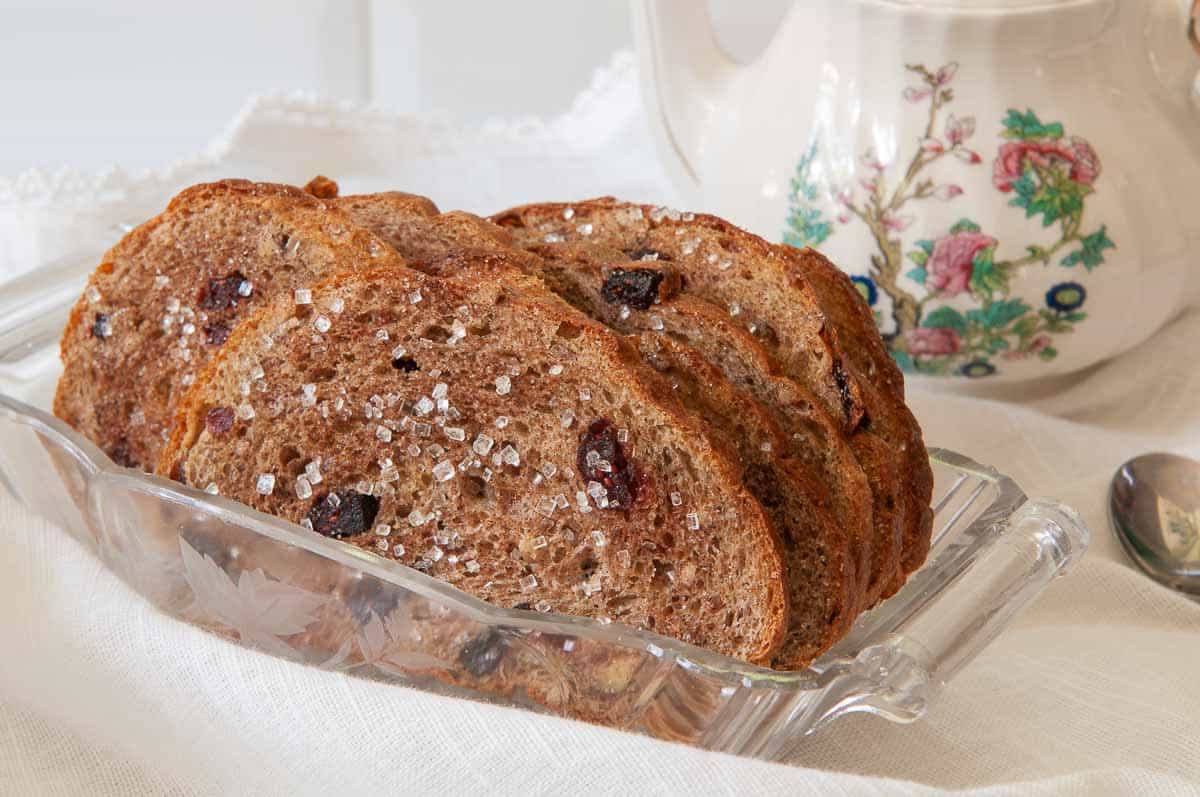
x: 821, y: 585
x: 481, y: 430
x: 880, y: 374
x: 788, y: 300
x: 823, y: 575
x: 168, y: 295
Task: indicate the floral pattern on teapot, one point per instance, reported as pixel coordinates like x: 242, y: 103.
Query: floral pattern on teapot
x: 962, y: 318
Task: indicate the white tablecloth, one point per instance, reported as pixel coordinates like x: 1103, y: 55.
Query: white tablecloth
x: 1093, y: 690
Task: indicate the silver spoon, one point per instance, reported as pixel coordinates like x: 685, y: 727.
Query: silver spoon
x: 1154, y: 506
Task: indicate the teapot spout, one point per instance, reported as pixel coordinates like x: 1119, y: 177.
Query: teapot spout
x: 690, y: 84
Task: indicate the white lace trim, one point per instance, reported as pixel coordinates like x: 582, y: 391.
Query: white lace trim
x: 598, y: 112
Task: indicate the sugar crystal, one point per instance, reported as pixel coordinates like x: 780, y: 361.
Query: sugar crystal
x: 265, y: 484
x: 313, y: 471
x: 245, y: 412
x: 540, y: 542
x: 383, y: 433
x: 568, y: 214
x: 322, y: 323
x: 676, y: 499
x: 555, y: 369
x: 212, y: 489
x: 443, y: 471
x: 509, y: 456
x: 528, y: 582
x: 398, y: 549
x: 455, y: 433
x: 598, y: 538
x: 415, y: 296
x: 302, y: 296
x: 552, y: 238
x: 303, y: 488
x: 424, y: 406
x: 501, y: 421
x: 542, y: 606
x: 693, y: 521
x: 567, y: 418
x: 337, y: 305
x: 503, y: 385
x: 471, y: 566
x: 482, y: 445
x: 382, y: 335
x: 584, y: 229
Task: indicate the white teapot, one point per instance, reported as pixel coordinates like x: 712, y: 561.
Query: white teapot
x: 1014, y: 185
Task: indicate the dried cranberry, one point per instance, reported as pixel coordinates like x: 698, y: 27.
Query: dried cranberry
x: 368, y: 595
x: 221, y: 294
x: 216, y: 334
x: 352, y: 513
x: 481, y: 656
x: 405, y: 364
x: 218, y: 421
x: 648, y: 254
x: 101, y: 328
x: 637, y: 287
x: 599, y: 445
x: 120, y: 455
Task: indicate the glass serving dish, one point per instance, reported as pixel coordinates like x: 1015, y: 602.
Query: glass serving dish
x: 272, y: 585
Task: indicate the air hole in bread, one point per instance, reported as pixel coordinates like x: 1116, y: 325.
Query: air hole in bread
x: 436, y: 333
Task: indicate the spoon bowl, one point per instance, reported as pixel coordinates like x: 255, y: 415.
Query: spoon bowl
x: 1154, y: 506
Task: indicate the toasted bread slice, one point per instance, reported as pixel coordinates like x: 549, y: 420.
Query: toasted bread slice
x: 770, y: 288
x: 481, y: 430
x: 168, y: 295
x: 824, y: 556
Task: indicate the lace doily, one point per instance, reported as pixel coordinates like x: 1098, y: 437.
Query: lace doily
x: 601, y: 145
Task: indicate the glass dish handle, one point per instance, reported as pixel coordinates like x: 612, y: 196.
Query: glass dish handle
x: 898, y: 677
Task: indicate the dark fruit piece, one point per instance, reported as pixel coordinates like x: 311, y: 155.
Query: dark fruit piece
x: 221, y: 294
x: 120, y: 455
x: 368, y: 596
x: 216, y: 334
x: 636, y: 287
x: 101, y: 328
x: 600, y: 458
x: 481, y: 656
x: 218, y: 421
x: 343, y: 514
x: 406, y: 364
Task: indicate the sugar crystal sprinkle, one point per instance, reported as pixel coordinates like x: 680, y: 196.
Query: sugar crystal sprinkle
x: 555, y: 369
x: 303, y: 488
x: 398, y: 550
x: 584, y: 229
x: 585, y: 394
x: 382, y: 335
x: 540, y: 542
x: 212, y: 489
x: 322, y: 323
x: 160, y: 282
x: 381, y: 546
x: 656, y: 323
x: 765, y: 446
x: 313, y: 471
x: 383, y: 433
x: 676, y: 499
x: 568, y: 214
x: 528, y: 582
x: 471, y: 566
x: 245, y: 288
x: 443, y: 471
x: 509, y: 456
x: 93, y: 294
x: 306, y: 523
x: 265, y: 484
x: 598, y: 539
x: 309, y: 391
x: 337, y: 305
x: 245, y: 412
x: 725, y: 264
x: 415, y: 297
x: 501, y: 421
x: 482, y: 445
x: 542, y: 606
x: 622, y: 435
x: 568, y: 645
x: 302, y: 296
x: 503, y: 385
x: 693, y: 521
x: 552, y: 238
x: 625, y: 312
x: 383, y: 530
x: 455, y: 433
x: 567, y: 418
x: 424, y: 406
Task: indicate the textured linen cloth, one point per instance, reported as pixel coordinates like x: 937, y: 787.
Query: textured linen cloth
x: 1093, y: 689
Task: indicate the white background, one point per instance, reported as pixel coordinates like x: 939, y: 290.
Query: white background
x: 141, y: 83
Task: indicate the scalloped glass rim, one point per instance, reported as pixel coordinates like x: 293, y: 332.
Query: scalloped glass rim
x: 994, y: 550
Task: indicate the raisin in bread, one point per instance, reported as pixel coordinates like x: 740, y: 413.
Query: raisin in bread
x: 481, y: 430
x: 168, y: 295
x: 825, y: 595
x: 789, y: 301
